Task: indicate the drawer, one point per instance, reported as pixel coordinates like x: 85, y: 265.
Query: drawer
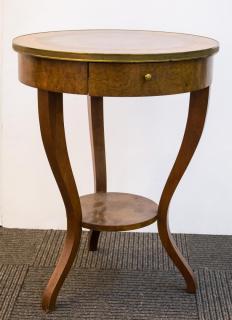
x: 149, y: 79
x: 54, y: 75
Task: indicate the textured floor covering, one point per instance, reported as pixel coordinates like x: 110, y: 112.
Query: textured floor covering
x: 129, y: 277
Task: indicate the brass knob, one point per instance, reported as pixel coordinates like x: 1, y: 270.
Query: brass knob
x: 148, y: 76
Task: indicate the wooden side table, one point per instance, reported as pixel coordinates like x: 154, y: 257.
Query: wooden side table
x: 116, y: 63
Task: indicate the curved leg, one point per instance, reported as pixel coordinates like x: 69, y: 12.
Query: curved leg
x: 194, y: 127
x: 53, y: 136
x: 96, y: 127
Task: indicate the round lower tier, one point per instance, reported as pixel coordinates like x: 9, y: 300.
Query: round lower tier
x: 113, y: 211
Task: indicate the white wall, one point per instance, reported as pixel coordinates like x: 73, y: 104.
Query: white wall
x: 1, y: 83
x: 142, y: 134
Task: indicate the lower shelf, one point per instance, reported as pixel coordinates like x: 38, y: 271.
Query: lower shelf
x: 113, y: 211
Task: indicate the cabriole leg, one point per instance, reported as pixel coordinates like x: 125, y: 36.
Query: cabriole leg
x: 194, y: 127
x: 53, y: 136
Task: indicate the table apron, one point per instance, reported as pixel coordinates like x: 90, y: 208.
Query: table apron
x: 115, y: 79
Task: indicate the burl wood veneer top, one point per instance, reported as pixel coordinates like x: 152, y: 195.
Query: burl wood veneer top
x: 115, y: 45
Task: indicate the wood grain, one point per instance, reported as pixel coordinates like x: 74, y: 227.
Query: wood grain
x: 54, y: 75
x: 53, y: 136
x: 115, y: 45
x: 97, y: 137
x: 113, y: 211
x: 115, y: 79
x: 128, y: 79
x: 113, y: 63
x: 194, y: 127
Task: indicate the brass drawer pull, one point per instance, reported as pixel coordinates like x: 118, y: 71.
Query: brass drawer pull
x: 148, y: 76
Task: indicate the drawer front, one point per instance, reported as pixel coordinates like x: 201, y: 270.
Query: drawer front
x: 149, y: 79
x: 54, y: 75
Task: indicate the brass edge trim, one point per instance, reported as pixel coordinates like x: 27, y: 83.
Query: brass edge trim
x: 123, y: 58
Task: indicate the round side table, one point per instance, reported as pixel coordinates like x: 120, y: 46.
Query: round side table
x: 116, y: 63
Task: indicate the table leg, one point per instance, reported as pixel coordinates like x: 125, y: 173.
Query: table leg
x: 53, y: 135
x: 194, y: 127
x: 96, y: 127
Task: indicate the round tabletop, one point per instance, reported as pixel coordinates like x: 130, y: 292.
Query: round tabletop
x: 115, y: 45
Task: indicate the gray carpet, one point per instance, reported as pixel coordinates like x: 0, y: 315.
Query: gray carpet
x: 129, y: 277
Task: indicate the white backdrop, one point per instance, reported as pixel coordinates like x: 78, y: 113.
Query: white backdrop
x: 142, y: 134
